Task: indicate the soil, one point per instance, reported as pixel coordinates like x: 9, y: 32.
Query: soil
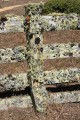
x: 13, y: 68
x: 50, y: 64
x: 61, y: 36
x: 11, y: 40
x: 11, y: 7
x: 18, y: 10
x: 17, y: 2
x: 70, y: 111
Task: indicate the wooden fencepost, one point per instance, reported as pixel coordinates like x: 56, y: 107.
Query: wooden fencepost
x: 35, y: 73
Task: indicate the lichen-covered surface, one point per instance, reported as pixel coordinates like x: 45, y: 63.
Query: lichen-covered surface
x: 17, y: 82
x: 15, y: 102
x: 56, y: 22
x: 25, y: 101
x: 61, y: 76
x: 64, y: 97
x: 14, y: 23
x: 50, y: 51
x: 66, y: 21
x: 14, y: 82
x: 16, y: 54
x: 62, y: 22
x: 35, y: 46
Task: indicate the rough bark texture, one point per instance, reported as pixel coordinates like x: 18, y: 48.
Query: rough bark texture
x: 35, y: 61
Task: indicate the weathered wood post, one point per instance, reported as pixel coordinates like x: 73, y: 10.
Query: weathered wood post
x: 35, y: 58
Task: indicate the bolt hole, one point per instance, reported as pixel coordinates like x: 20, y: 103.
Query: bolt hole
x: 37, y: 40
